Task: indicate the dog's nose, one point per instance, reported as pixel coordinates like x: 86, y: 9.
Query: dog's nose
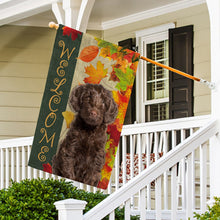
x: 93, y: 113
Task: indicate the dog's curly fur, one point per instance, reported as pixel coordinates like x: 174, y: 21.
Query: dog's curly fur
x: 81, y: 154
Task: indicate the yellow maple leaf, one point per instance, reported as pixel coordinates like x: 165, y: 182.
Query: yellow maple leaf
x: 68, y: 116
x: 105, y: 52
x: 95, y: 75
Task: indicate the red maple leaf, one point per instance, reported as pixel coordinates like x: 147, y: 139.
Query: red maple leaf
x: 47, y: 168
x: 103, y: 184
x: 69, y: 31
x: 114, y: 133
x: 129, y: 55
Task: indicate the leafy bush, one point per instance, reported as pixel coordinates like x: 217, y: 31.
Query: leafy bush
x: 34, y: 199
x: 213, y: 212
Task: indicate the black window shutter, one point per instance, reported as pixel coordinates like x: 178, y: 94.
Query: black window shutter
x: 181, y: 58
x: 130, y: 116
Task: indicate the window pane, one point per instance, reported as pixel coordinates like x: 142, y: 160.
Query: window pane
x: 157, y: 112
x: 157, y: 77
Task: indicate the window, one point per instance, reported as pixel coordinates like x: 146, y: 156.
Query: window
x: 157, y: 82
x: 153, y: 81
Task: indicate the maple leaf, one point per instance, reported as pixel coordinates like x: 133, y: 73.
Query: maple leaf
x: 105, y: 52
x: 126, y: 79
x: 95, y: 75
x: 47, y: 168
x: 68, y: 116
x: 69, y: 31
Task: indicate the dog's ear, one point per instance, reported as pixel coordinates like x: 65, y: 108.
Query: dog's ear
x: 75, y: 97
x: 111, y: 110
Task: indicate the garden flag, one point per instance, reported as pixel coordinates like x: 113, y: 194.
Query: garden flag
x: 83, y: 108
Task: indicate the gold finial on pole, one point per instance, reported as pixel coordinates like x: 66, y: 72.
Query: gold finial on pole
x: 53, y: 25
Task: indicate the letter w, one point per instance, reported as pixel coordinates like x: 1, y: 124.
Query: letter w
x: 61, y: 43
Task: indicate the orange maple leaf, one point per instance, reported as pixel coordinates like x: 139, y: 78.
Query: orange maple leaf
x: 95, y: 75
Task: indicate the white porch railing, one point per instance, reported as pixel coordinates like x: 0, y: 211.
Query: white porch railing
x: 139, y: 184
x: 140, y: 145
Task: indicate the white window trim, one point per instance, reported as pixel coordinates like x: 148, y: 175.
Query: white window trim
x: 144, y: 37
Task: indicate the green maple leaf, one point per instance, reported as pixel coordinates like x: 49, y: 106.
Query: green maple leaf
x: 105, y: 44
x: 126, y: 78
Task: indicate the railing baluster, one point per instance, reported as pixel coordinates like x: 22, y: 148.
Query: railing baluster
x: 193, y: 181
x: 35, y: 173
x: 139, y: 153
x: 132, y: 156
x: 193, y: 176
x: 143, y: 204
x: 124, y: 159
x: 81, y: 186
x: 112, y: 216
x: 47, y: 175
x: 158, y: 196
x: 139, y: 162
x: 183, y: 174
x: 17, y: 164
x: 174, y: 192
x: 148, y: 164
x: 88, y: 188
x: 189, y: 206
x: 174, y: 195
x: 41, y: 174
x: 2, y: 169
x: 23, y: 162
x: 128, y: 210
x: 12, y: 164
x: 156, y: 145
x: 117, y: 169
x: 132, y: 163
x: 203, y: 177
x: 6, y: 167
x: 95, y: 189
x: 29, y: 168
x: 164, y: 150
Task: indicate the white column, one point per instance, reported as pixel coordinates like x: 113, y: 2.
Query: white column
x: 58, y: 12
x: 214, y: 14
x: 70, y: 209
x: 71, y: 8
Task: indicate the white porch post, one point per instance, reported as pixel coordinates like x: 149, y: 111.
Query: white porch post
x: 214, y: 14
x: 73, y: 13
x: 70, y: 209
x: 71, y: 9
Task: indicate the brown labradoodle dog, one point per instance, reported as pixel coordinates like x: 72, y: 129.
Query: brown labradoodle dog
x: 81, y: 154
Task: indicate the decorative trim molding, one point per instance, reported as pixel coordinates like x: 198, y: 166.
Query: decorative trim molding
x: 154, y: 30
x: 151, y: 13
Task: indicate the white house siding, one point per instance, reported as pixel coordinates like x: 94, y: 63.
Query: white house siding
x: 197, y: 16
x: 24, y: 57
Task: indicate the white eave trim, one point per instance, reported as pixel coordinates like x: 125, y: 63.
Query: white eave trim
x: 151, y: 13
x: 23, y: 9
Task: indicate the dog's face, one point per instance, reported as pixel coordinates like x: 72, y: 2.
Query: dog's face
x: 94, y: 104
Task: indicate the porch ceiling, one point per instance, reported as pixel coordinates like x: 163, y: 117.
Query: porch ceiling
x: 105, y: 14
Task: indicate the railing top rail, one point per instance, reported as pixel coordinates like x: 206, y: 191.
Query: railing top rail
x: 16, y: 142
x: 166, y: 125
x: 152, y: 172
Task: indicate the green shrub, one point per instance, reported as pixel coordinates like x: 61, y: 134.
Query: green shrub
x: 213, y: 212
x: 34, y: 199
